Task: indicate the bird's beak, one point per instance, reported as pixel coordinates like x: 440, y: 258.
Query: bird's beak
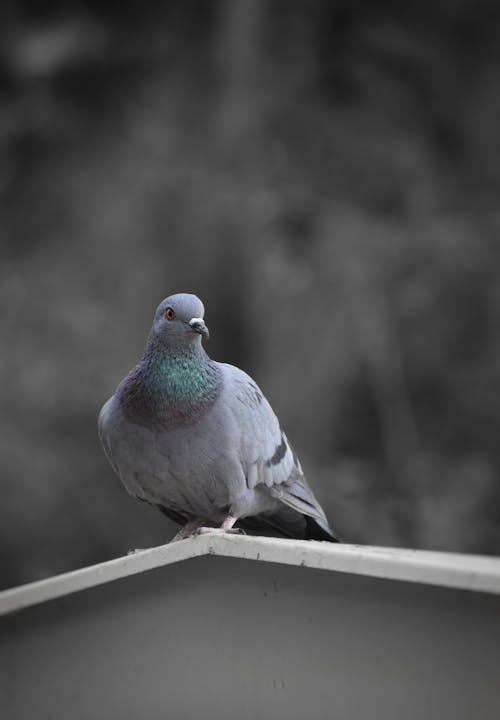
x: 197, y: 325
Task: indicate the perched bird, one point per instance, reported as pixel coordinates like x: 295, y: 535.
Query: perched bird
x: 198, y: 439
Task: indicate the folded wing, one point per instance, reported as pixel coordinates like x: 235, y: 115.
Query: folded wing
x: 270, y: 462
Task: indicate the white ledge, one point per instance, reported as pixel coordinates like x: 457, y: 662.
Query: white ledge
x: 467, y: 572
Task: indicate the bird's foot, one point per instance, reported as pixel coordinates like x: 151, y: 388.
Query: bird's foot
x: 220, y: 531
x: 226, y: 527
x: 196, y: 527
x: 189, y: 530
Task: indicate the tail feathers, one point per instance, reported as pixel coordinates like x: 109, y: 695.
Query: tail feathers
x: 296, y: 494
x: 317, y: 531
x: 288, y: 523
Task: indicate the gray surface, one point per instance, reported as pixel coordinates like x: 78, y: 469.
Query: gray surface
x: 224, y: 638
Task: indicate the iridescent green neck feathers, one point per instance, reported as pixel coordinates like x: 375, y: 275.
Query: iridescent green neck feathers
x: 170, y: 388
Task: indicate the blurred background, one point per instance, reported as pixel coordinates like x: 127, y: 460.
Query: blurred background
x: 325, y: 175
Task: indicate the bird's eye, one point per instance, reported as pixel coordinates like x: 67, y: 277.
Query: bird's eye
x: 169, y: 314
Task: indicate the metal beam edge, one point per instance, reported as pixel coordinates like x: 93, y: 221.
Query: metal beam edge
x: 466, y: 572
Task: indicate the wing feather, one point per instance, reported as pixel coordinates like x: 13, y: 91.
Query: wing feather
x: 266, y: 455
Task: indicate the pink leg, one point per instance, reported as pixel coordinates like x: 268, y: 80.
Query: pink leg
x: 228, y: 522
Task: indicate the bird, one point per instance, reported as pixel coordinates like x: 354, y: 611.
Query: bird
x: 198, y: 439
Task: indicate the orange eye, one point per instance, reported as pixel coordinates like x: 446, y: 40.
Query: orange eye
x: 169, y: 314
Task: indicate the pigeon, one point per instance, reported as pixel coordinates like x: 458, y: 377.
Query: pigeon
x: 198, y: 439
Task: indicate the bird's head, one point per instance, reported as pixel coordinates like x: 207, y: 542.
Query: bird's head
x: 179, y: 322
